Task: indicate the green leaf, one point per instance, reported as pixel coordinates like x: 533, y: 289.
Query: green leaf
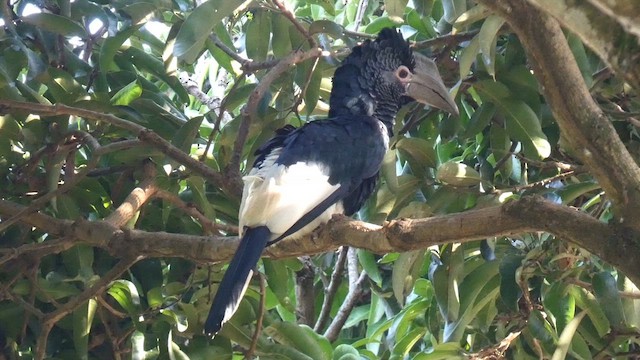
x: 111, y: 45
x: 280, y: 40
x: 480, y: 119
x: 539, y: 327
x: 312, y: 92
x: 126, y: 294
x: 582, y: 59
x: 472, y: 15
x: 186, y: 135
x: 488, y: 37
x: 196, y: 28
x: 631, y: 306
x: 560, y: 303
x: 586, y: 301
x: 468, y: 56
x: 573, y: 191
x: 370, y: 266
x: 55, y: 288
x: 492, y: 91
x: 258, y: 34
x: 82, y: 320
x: 607, y: 294
x: 523, y: 125
x: 302, y: 338
x: 406, y: 343
x: 476, y: 290
x: 378, y: 24
x: 444, y: 351
x: 395, y: 9
x: 222, y: 58
x: 500, y: 145
x: 127, y: 94
x: 403, y: 273
x: 79, y: 261
x: 388, y: 170
x: 198, y: 189
x: 56, y: 24
x: 64, y: 87
x: 453, y: 9
x: 279, y: 281
x: 510, y: 291
x: 457, y: 174
x: 343, y: 350
x: 420, y: 23
x: 439, y: 278
x: 145, y: 61
x: 564, y: 341
x: 326, y: 27
x: 418, y: 152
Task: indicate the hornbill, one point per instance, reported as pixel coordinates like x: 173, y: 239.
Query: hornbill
x: 301, y: 177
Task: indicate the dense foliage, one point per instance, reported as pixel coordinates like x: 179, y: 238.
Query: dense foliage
x: 214, y: 81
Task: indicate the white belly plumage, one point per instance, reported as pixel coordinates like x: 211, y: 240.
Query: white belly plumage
x: 277, y: 196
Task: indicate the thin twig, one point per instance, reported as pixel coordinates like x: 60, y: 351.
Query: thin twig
x: 107, y: 329
x: 217, y: 125
x: 36, y: 204
x: 445, y: 40
x: 144, y: 134
x: 292, y: 18
x: 100, y: 286
x: 362, y: 6
x: 210, y: 227
x: 331, y: 289
x: 227, y: 50
x: 193, y: 89
x: 496, y: 351
x: 551, y: 164
x: 256, y: 334
x: 507, y: 156
x: 250, y: 110
x: 347, y: 306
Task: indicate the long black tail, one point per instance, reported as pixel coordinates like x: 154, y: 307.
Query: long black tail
x: 235, y: 281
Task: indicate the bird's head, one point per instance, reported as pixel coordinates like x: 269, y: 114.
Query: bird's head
x: 380, y: 76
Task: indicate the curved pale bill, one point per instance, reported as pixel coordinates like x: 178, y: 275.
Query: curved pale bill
x: 426, y: 86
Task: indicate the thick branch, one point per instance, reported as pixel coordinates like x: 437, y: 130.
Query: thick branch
x: 616, y: 245
x: 610, y: 28
x: 581, y: 121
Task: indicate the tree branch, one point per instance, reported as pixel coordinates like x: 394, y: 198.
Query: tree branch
x: 599, y: 24
x: 581, y: 121
x: 617, y: 245
x: 355, y: 290
x: 144, y: 134
x: 331, y: 290
x: 305, y: 292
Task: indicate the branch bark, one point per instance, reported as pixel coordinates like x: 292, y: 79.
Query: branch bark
x: 615, y: 244
x: 610, y: 28
x: 581, y: 121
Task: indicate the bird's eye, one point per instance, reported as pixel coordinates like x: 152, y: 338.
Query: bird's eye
x: 403, y: 73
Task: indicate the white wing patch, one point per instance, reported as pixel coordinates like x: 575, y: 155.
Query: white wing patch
x: 277, y: 196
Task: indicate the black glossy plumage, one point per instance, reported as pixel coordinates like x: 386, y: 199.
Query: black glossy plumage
x: 359, y: 87
x: 349, y: 147
x: 234, y: 282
